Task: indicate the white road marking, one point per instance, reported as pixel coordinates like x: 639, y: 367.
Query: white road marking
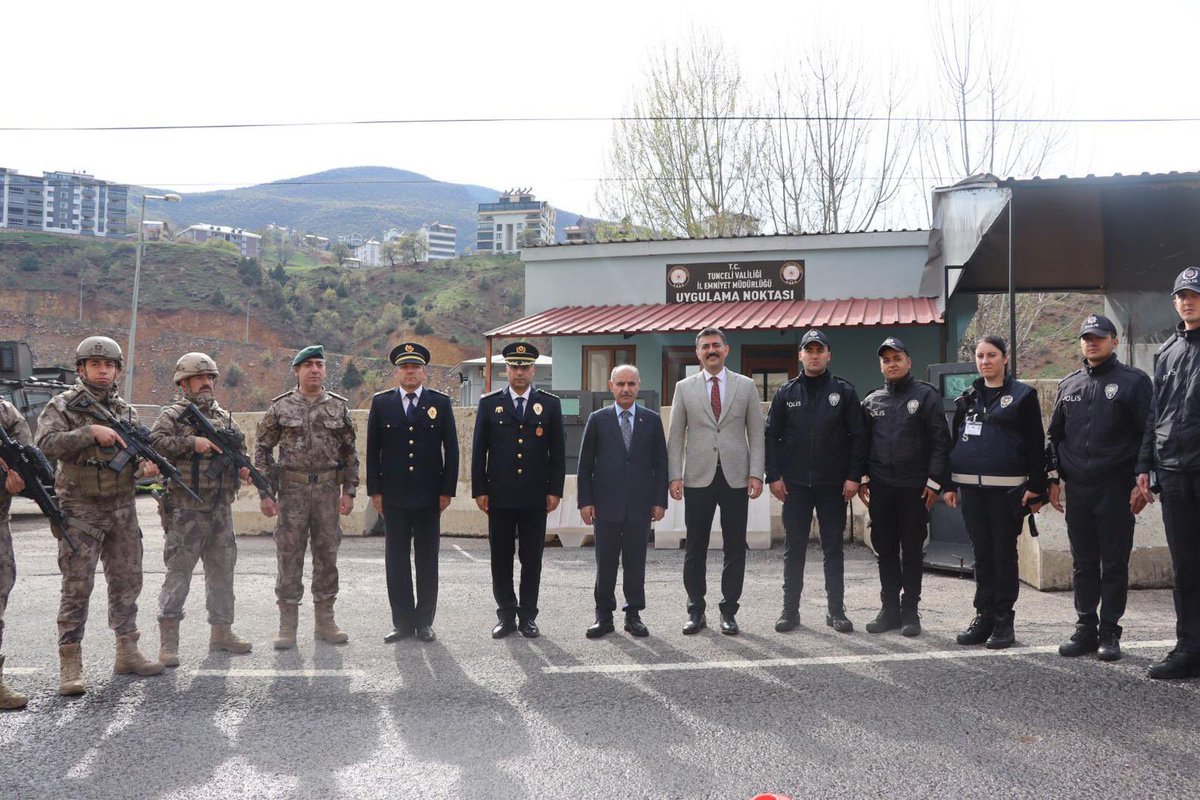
x: 465, y: 554
x: 815, y: 661
x: 276, y: 673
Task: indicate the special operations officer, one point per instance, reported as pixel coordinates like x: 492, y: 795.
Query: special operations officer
x: 412, y: 473
x: 816, y: 455
x: 317, y: 477
x: 17, y: 428
x: 518, y: 469
x: 1095, y: 434
x: 197, y: 530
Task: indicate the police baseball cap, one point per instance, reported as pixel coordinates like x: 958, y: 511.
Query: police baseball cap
x: 892, y: 343
x: 312, y: 351
x: 1098, y: 325
x: 814, y: 336
x: 1188, y: 279
x: 409, y: 353
x: 520, y: 354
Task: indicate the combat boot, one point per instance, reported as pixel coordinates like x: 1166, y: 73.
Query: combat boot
x: 10, y: 699
x: 979, y: 631
x: 326, y: 628
x: 168, y: 637
x: 130, y: 661
x: 1082, y: 642
x: 70, y: 671
x: 223, y: 638
x: 289, y: 615
x: 1003, y: 634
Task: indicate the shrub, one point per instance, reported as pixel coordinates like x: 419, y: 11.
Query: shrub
x: 351, y: 377
x: 233, y: 374
x: 29, y: 263
x: 423, y: 328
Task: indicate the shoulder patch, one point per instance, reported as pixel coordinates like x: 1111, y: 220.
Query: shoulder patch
x: 338, y: 396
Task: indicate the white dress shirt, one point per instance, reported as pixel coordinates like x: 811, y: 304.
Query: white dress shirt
x: 415, y: 401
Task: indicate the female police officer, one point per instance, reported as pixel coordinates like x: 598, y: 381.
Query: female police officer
x: 998, y: 466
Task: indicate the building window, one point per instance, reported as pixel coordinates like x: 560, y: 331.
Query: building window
x: 769, y: 368
x: 678, y: 363
x: 598, y: 363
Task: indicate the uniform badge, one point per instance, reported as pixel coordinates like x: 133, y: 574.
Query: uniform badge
x: 834, y: 399
x: 1110, y: 391
x: 432, y: 412
x: 913, y: 405
x: 1090, y: 321
x: 537, y: 409
x: 1006, y: 401
x: 1190, y: 273
x: 537, y: 432
x: 499, y: 409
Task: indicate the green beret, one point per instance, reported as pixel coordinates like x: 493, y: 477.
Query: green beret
x: 312, y: 351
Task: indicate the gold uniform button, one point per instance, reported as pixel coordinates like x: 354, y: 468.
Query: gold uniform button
x: 520, y: 441
x: 410, y: 455
x: 410, y: 441
x: 518, y: 472
x: 410, y: 427
x: 410, y: 469
x: 520, y: 455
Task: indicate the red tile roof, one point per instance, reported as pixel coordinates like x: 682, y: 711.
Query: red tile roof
x: 761, y: 315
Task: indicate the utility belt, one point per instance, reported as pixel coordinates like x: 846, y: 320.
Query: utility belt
x: 998, y: 481
x: 318, y: 477
x: 90, y: 471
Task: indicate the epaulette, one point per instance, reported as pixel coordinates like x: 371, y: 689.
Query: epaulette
x: 493, y: 392
x: 385, y: 391
x: 549, y: 394
x: 339, y: 397
x: 280, y: 397
x: 435, y: 391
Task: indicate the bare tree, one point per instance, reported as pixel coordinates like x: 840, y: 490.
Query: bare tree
x: 680, y: 162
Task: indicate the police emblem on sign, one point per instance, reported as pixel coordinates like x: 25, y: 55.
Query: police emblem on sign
x: 913, y: 405
x: 1110, y: 391
x: 834, y: 398
x: 1006, y: 401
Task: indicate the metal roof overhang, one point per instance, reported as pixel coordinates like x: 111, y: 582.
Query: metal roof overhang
x: 1103, y: 234
x: 628, y: 320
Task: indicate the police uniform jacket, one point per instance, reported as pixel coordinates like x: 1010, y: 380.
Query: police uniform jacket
x: 518, y: 463
x: 1098, y: 422
x: 908, y: 441
x: 999, y: 441
x: 1172, y: 440
x: 815, y: 433
x: 411, y: 463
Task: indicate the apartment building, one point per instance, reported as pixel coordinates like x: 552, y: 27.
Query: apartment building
x: 62, y: 202
x: 517, y: 219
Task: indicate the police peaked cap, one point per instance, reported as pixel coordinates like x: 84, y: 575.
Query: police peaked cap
x: 409, y: 353
x: 520, y: 354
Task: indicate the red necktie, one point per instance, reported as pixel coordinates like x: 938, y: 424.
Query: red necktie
x: 716, y: 398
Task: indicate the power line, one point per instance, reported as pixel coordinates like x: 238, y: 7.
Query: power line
x: 592, y: 119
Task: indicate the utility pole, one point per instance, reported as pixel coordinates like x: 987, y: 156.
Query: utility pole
x: 246, y: 339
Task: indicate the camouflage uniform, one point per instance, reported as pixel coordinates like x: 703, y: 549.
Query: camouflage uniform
x: 196, y: 530
x: 100, y: 506
x: 317, y: 463
x: 16, y: 426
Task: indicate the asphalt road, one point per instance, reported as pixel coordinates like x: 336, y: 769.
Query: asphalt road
x: 806, y: 714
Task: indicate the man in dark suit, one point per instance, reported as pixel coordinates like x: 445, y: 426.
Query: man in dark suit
x: 518, y: 467
x: 412, y: 471
x: 622, y: 488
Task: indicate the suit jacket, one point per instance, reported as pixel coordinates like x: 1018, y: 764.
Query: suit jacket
x: 697, y: 439
x: 518, y: 463
x: 623, y: 484
x: 411, y: 463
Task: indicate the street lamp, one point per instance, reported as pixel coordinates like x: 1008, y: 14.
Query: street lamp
x: 137, y: 282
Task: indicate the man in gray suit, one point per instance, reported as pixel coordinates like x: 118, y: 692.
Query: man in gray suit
x: 715, y: 458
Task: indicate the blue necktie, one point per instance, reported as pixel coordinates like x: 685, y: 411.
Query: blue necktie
x: 521, y: 409
x: 412, y: 406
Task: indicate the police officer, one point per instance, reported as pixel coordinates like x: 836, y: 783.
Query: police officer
x: 816, y: 455
x: 1095, y: 434
x: 197, y: 530
x: 317, y: 477
x: 412, y: 472
x: 1171, y: 450
x: 906, y: 470
x: 518, y: 467
x: 99, y: 505
x: 17, y: 428
x: 998, y: 471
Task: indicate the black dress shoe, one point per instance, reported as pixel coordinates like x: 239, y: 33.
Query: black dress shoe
x: 695, y: 624
x: 529, y: 629
x: 729, y: 625
x: 1082, y: 642
x: 635, y: 626
x: 503, y: 628
x: 425, y: 633
x: 397, y: 634
x: 837, y: 620
x: 599, y: 628
x: 788, y: 621
x: 978, y: 631
x: 888, y: 619
x: 1110, y: 646
x: 1176, y: 665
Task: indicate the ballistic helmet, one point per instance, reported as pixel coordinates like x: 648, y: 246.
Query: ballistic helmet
x: 99, y: 347
x: 190, y: 364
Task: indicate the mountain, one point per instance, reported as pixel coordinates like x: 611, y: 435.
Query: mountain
x: 364, y: 200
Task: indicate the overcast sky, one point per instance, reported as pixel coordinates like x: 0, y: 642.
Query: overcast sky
x: 140, y: 63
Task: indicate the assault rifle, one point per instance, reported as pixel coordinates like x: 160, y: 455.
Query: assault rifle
x: 230, y: 442
x: 34, y: 468
x: 137, y: 442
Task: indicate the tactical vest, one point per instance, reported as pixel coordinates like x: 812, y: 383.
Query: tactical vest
x: 997, y: 451
x: 90, y: 471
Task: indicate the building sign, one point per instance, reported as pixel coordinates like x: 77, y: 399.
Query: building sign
x: 735, y: 281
